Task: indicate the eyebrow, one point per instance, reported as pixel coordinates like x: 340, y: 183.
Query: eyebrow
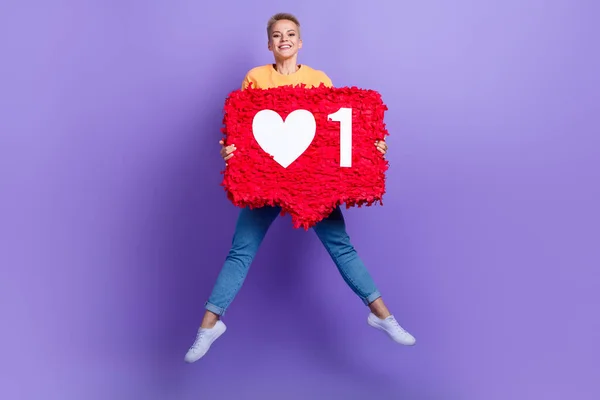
x: 289, y: 30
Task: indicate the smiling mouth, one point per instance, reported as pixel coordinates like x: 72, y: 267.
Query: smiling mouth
x: 285, y: 47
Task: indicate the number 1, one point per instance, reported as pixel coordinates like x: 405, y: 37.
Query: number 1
x: 344, y: 117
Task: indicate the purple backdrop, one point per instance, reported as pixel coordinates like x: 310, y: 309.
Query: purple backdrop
x: 114, y: 227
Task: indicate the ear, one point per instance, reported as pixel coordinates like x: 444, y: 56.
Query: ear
x: 270, y: 45
x: 299, y: 44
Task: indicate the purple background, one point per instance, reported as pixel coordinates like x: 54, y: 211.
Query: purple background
x: 113, y: 225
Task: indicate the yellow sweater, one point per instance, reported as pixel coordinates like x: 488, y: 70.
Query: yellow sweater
x: 266, y: 77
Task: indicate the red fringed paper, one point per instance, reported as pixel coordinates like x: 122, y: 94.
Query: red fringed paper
x: 312, y: 186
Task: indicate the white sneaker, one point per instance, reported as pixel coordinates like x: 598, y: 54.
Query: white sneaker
x: 390, y: 326
x: 204, y: 339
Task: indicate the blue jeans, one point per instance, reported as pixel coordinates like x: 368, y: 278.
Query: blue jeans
x: 252, y: 226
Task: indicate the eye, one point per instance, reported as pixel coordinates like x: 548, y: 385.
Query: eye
x: 292, y: 34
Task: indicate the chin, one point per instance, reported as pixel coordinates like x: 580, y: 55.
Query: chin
x: 285, y: 56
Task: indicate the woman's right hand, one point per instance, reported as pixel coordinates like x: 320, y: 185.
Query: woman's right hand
x: 226, y: 151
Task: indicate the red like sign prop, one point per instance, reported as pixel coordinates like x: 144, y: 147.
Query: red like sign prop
x: 305, y: 150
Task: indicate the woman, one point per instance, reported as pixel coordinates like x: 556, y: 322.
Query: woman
x: 283, y: 32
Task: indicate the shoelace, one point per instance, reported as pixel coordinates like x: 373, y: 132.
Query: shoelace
x: 199, y: 336
x: 397, y: 325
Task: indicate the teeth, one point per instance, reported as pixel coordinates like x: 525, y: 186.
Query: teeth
x: 284, y: 47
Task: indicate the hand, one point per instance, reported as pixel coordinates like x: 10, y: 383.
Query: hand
x: 226, y: 152
x: 381, y: 146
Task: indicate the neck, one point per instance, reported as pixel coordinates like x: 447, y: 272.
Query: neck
x: 286, y: 67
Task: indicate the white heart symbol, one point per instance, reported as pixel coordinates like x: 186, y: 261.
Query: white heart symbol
x: 285, y: 141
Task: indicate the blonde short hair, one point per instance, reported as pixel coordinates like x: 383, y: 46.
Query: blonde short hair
x: 279, y: 17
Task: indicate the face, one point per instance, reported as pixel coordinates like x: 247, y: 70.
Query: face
x: 284, y: 41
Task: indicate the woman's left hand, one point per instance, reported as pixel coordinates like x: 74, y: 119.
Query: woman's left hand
x: 381, y: 146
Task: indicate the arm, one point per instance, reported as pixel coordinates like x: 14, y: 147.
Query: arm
x: 227, y: 151
x: 246, y: 82
x: 326, y: 80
